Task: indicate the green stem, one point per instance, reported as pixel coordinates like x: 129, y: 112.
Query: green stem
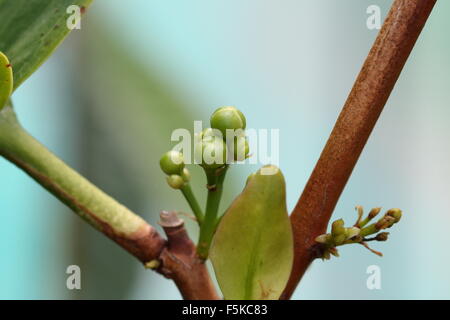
x: 193, y: 203
x: 215, y: 187
x: 85, y: 199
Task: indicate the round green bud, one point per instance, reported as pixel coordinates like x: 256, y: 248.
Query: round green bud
x: 214, y: 152
x: 175, y: 181
x: 240, y: 149
x: 172, y: 162
x: 228, y: 118
x: 186, y: 175
x: 211, y: 132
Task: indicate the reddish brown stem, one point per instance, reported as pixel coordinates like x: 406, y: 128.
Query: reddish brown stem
x: 353, y: 127
x: 180, y: 261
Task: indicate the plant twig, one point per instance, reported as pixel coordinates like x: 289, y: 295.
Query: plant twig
x: 174, y: 258
x: 353, y: 127
x: 181, y: 263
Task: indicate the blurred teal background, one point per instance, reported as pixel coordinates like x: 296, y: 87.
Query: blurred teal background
x: 109, y: 98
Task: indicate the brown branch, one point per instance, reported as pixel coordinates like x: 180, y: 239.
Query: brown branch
x: 353, y: 127
x: 180, y: 261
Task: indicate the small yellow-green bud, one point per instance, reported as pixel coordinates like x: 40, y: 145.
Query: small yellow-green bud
x: 395, y: 213
x: 228, y: 118
x: 172, y: 162
x: 186, y: 175
x: 337, y: 228
x: 6, y: 80
x: 175, y: 181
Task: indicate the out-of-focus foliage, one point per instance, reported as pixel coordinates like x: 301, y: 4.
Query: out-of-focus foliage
x: 128, y: 115
x: 30, y: 30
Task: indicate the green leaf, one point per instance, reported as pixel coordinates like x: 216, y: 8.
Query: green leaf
x: 30, y: 30
x: 6, y: 80
x: 252, y: 250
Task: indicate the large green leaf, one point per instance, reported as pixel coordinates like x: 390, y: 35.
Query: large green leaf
x: 30, y: 30
x: 252, y: 250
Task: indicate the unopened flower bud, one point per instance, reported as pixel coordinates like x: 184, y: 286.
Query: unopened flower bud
x: 337, y: 228
x: 186, y: 175
x: 228, y: 118
x: 214, y: 152
x: 240, y: 149
x: 373, y: 213
x: 175, y: 181
x: 395, y: 213
x: 6, y: 80
x: 382, y: 236
x: 172, y: 162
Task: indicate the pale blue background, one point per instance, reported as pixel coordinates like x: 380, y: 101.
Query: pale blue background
x: 286, y: 64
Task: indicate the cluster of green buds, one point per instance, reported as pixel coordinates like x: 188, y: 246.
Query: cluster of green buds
x: 172, y: 164
x: 225, y: 142
x: 359, y: 232
x: 215, y: 148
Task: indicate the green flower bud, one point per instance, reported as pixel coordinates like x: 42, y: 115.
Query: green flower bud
x: 6, y: 80
x: 211, y: 132
x: 186, y: 175
x: 337, y: 228
x: 240, y: 149
x: 175, y: 181
x: 172, y: 162
x: 395, y: 213
x: 228, y: 118
x: 214, y: 152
